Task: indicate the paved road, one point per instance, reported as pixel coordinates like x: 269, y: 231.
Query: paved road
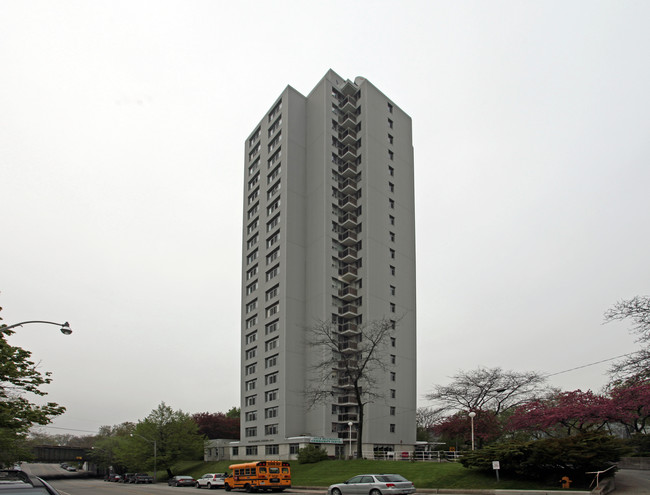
x: 95, y: 486
x: 632, y: 482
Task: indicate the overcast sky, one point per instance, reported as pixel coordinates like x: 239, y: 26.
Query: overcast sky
x: 122, y: 129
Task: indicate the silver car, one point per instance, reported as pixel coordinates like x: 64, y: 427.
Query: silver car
x: 373, y: 484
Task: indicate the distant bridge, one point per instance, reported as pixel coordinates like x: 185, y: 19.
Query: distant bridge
x: 53, y: 453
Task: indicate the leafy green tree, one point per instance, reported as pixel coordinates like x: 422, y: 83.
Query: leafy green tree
x: 20, y: 379
x: 233, y: 412
x: 176, y: 437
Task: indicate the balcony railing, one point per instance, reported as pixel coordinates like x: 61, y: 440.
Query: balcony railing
x: 348, y: 152
x: 348, y: 186
x: 348, y: 273
x: 348, y: 328
x: 348, y: 136
x: 348, y: 238
x: 348, y: 203
x: 348, y: 170
x: 348, y: 220
x: 348, y: 293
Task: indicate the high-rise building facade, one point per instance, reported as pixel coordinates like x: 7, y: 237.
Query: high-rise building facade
x: 328, y: 235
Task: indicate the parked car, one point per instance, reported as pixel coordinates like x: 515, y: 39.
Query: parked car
x: 373, y: 484
x: 181, y: 481
x: 114, y: 477
x: 142, y: 478
x: 211, y: 480
x: 14, y: 481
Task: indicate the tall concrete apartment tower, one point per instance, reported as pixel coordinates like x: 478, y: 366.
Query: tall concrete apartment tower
x: 328, y: 235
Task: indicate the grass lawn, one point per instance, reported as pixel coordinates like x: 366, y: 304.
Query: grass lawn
x: 422, y: 474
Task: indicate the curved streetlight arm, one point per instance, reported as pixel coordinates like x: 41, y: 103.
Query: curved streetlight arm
x: 65, y: 327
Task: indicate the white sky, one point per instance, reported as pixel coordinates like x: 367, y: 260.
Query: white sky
x: 122, y: 128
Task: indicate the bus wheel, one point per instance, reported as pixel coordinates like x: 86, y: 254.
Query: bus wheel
x: 227, y: 487
x: 248, y: 488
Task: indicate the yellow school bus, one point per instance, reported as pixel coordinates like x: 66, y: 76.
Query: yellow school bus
x: 263, y: 476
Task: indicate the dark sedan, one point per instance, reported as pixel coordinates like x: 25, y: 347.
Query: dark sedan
x: 181, y: 481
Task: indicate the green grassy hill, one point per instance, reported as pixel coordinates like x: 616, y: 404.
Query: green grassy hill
x: 422, y: 474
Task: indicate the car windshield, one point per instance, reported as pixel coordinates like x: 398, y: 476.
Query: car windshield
x: 391, y: 477
x: 184, y: 478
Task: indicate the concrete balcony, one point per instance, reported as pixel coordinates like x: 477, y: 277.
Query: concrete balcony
x: 349, y: 311
x: 348, y: 329
x: 348, y: 203
x: 348, y: 294
x: 348, y: 186
x: 348, y: 238
x: 348, y: 170
x: 349, y: 220
x: 348, y: 137
x: 348, y: 273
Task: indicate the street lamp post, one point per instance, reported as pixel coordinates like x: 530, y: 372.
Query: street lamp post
x: 471, y: 417
x: 155, y: 453
x: 350, y: 437
x: 65, y: 327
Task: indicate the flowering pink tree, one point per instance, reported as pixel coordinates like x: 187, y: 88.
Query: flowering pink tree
x: 564, y: 414
x: 632, y: 405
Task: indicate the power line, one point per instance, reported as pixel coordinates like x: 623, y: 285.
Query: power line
x: 591, y: 364
x: 69, y: 429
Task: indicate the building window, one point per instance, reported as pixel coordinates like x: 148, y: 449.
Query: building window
x: 251, y: 257
x: 271, y: 379
x: 269, y: 345
x: 253, y: 211
x: 391, y: 187
x: 390, y: 108
x: 273, y: 206
x: 390, y: 139
x: 253, y: 181
x: 273, y: 272
x: 272, y: 449
x: 392, y: 428
x: 392, y: 376
x: 272, y: 115
x: 252, y: 241
x: 250, y: 369
x: 393, y: 342
x: 251, y: 450
x: 270, y: 225
x: 393, y: 393
x: 391, y: 218
x: 271, y: 412
x: 271, y: 257
x: 251, y: 273
x: 253, y: 167
x: 272, y: 310
x: 251, y: 306
x: 271, y: 430
x: 271, y: 361
x: 251, y: 353
x: 271, y: 395
x: 392, y: 254
x: 253, y: 196
x: 274, y: 174
x: 392, y: 307
x: 392, y: 270
x: 272, y: 292
x: 251, y: 337
x: 391, y: 203
x: 235, y: 452
x: 250, y: 400
x: 294, y: 448
x: 250, y: 384
x: 252, y: 227
x: 390, y: 123
x: 271, y: 327
x: 251, y: 416
x: 251, y: 322
x: 393, y: 358
x: 392, y: 410
x: 391, y: 171
x: 274, y: 239
x: 392, y: 236
x: 254, y: 137
x: 251, y: 288
x: 391, y: 155
x: 392, y: 290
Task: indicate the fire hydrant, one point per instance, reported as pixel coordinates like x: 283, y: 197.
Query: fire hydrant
x: 566, y: 482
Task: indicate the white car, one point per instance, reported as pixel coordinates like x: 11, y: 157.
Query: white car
x: 211, y: 480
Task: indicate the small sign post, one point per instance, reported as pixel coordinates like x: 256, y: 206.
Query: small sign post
x: 496, y: 467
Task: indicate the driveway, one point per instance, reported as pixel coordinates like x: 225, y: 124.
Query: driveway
x: 632, y: 482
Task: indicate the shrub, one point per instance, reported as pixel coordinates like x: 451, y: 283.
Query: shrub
x: 310, y: 454
x: 550, y: 459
